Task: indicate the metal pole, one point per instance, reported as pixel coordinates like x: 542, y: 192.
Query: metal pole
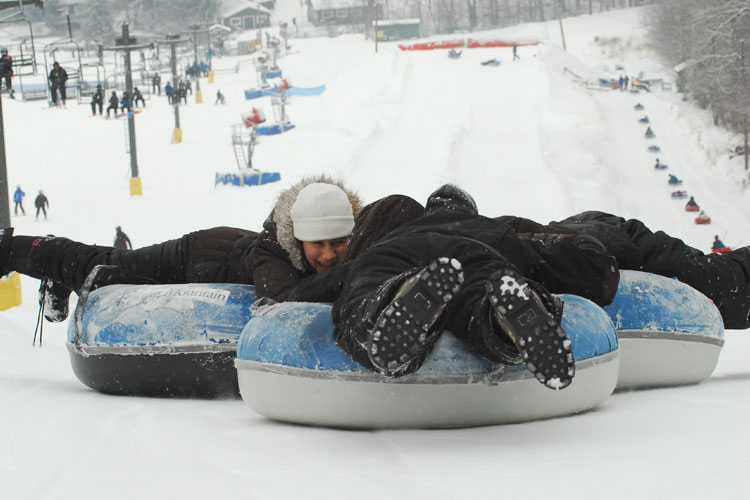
x: 131, y: 116
x: 195, y: 60
x: 176, y: 102
x: 4, y: 199
x: 375, y: 15
x: 559, y: 19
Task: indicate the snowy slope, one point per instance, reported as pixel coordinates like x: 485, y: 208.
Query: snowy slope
x: 521, y: 137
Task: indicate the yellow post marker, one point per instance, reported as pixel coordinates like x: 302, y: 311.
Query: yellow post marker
x: 135, y: 186
x: 10, y: 291
x: 210, y: 77
x: 198, y: 97
x: 177, y: 136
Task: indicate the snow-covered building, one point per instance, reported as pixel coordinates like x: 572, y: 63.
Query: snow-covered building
x: 243, y: 15
x: 325, y: 12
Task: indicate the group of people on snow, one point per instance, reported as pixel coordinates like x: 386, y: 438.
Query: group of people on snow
x: 398, y: 269
x: 177, y: 94
x: 41, y: 203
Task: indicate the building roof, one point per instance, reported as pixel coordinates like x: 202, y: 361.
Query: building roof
x: 231, y: 7
x: 338, y: 4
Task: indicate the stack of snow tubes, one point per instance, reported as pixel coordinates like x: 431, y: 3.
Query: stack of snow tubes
x: 202, y: 340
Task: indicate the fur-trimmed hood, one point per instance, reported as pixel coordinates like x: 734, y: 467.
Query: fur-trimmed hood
x: 281, y: 217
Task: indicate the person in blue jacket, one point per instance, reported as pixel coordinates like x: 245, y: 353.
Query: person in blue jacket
x: 18, y: 200
x: 717, y: 243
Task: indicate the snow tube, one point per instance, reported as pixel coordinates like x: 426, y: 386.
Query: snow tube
x: 160, y: 340
x: 290, y: 369
x: 643, y: 120
x: 273, y: 129
x: 249, y: 177
x: 675, y: 182
x: 692, y: 208
x: 678, y: 194
x: 654, y: 148
x: 254, y: 94
x: 298, y: 91
x: 670, y: 334
x: 661, y: 166
x: 720, y: 250
x: 703, y: 219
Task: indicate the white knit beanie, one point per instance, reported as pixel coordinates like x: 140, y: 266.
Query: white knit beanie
x: 322, y: 212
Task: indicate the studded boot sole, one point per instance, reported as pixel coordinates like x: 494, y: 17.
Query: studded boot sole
x: 543, y: 344
x: 403, y: 331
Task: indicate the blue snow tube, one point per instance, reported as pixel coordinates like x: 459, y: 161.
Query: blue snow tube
x: 290, y: 369
x: 160, y: 340
x: 670, y: 334
x: 273, y: 129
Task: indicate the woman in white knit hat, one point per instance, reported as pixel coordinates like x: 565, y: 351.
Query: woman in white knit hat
x: 314, y: 225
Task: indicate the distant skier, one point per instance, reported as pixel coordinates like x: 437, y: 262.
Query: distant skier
x: 126, y: 103
x: 97, y: 100
x: 156, y: 84
x: 6, y: 71
x: 42, y: 204
x: 18, y: 200
x: 515, y: 51
x: 718, y: 244
x: 114, y: 103
x: 220, y: 99
x: 137, y: 96
x: 57, y: 78
x: 658, y: 164
x: 122, y: 240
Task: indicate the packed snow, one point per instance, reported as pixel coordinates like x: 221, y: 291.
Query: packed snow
x: 522, y: 137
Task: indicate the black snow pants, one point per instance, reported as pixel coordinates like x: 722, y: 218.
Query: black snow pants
x: 482, y: 246
x: 724, y: 278
x: 207, y: 256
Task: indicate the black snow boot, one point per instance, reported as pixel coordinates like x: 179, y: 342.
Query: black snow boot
x: 531, y: 318
x: 408, y: 327
x: 53, y: 299
x: 450, y: 197
x: 6, y: 235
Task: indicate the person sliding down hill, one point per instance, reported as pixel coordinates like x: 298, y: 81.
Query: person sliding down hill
x: 454, y: 269
x: 331, y: 227
x: 724, y: 278
x: 717, y: 244
x: 691, y: 203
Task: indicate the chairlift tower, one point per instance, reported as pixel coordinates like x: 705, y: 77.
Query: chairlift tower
x: 172, y: 40
x: 194, y: 30
x: 4, y: 198
x: 127, y: 44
